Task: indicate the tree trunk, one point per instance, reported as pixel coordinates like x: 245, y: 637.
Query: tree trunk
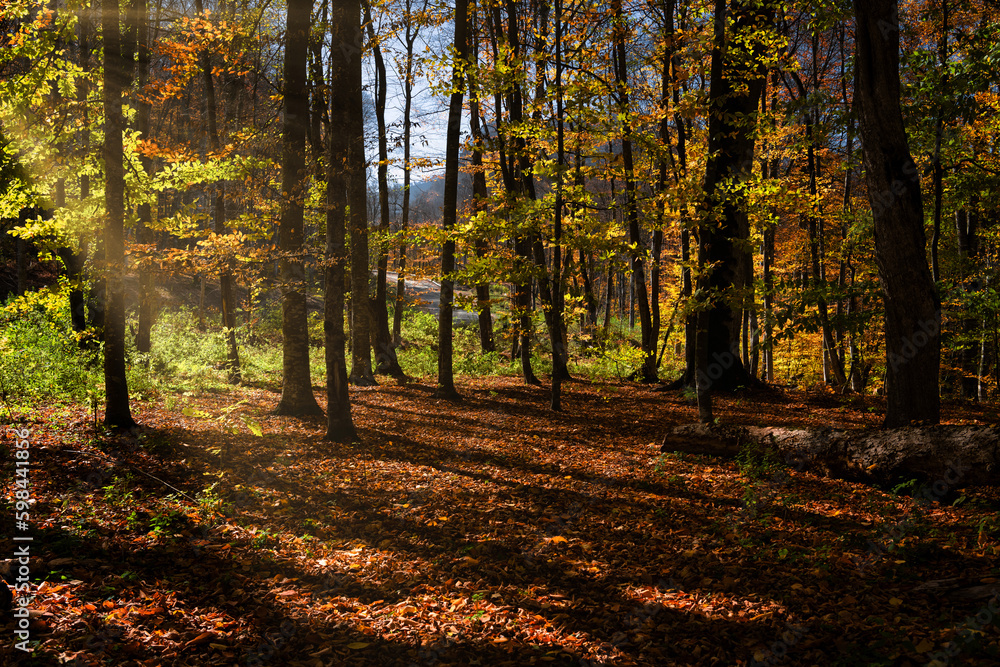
x: 361, y: 358
x: 412, y: 29
x: 219, y: 217
x: 145, y: 212
x: 77, y: 259
x: 117, y: 78
x: 339, y: 424
x: 558, y: 350
x: 912, y: 315
x: 968, y: 251
x: 818, y: 275
x: 480, y: 195
x: 449, y: 212
x: 724, y: 226
x: 943, y: 456
x: 386, y: 361
x: 296, y: 386
x: 514, y: 165
x: 938, y: 177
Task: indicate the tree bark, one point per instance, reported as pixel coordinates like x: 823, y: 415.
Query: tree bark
x: 479, y: 195
x: 449, y: 213
x: 956, y: 456
x: 912, y: 314
x: 968, y: 253
x: 412, y: 30
x: 117, y: 77
x: 296, y: 386
x: 386, y: 361
x: 558, y: 350
x: 361, y: 357
x: 648, y: 335
x: 339, y: 424
x: 724, y: 227
x: 219, y: 221
x: 145, y: 210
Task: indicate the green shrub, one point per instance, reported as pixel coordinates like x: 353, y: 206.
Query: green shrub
x: 40, y: 354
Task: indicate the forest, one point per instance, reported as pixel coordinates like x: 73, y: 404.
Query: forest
x: 507, y: 332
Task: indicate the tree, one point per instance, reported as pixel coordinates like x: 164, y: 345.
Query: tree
x: 558, y: 350
x: 737, y: 78
x: 912, y: 314
x: 449, y: 213
x: 140, y: 16
x: 117, y: 77
x: 339, y: 424
x: 219, y: 219
x: 357, y: 200
x: 480, y: 193
x: 385, y: 351
x: 296, y: 387
x: 649, y: 335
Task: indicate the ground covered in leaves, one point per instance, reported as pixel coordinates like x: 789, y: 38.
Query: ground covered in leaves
x: 487, y: 532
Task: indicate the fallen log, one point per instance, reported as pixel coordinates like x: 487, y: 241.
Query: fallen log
x: 944, y: 457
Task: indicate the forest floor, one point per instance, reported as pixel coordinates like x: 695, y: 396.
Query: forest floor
x: 488, y: 532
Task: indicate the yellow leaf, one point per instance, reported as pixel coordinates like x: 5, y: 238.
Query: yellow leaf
x: 925, y: 646
x: 558, y: 538
x: 895, y: 602
x: 358, y: 645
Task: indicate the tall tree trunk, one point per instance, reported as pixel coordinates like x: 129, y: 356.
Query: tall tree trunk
x: 219, y: 219
x: 847, y: 272
x: 639, y: 293
x: 361, y: 358
x: 968, y: 252
x: 385, y: 352
x: 938, y: 173
x: 339, y: 424
x: 609, y: 298
x: 76, y: 259
x: 479, y: 196
x: 145, y: 211
x: 912, y: 315
x: 558, y: 350
x: 724, y: 228
x: 514, y: 165
x: 412, y: 30
x: 816, y: 265
x: 449, y: 212
x: 589, y: 300
x: 117, y: 78
x: 296, y: 386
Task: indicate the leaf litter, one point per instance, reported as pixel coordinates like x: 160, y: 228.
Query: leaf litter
x: 489, y: 531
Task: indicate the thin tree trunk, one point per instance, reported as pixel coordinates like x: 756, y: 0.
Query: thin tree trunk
x: 145, y: 212
x: 385, y: 352
x: 480, y: 195
x: 968, y: 251
x: 609, y: 297
x: 938, y: 176
x: 75, y: 260
x: 648, y: 339
x: 219, y: 217
x: 412, y: 29
x: 558, y: 351
x: 449, y: 213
